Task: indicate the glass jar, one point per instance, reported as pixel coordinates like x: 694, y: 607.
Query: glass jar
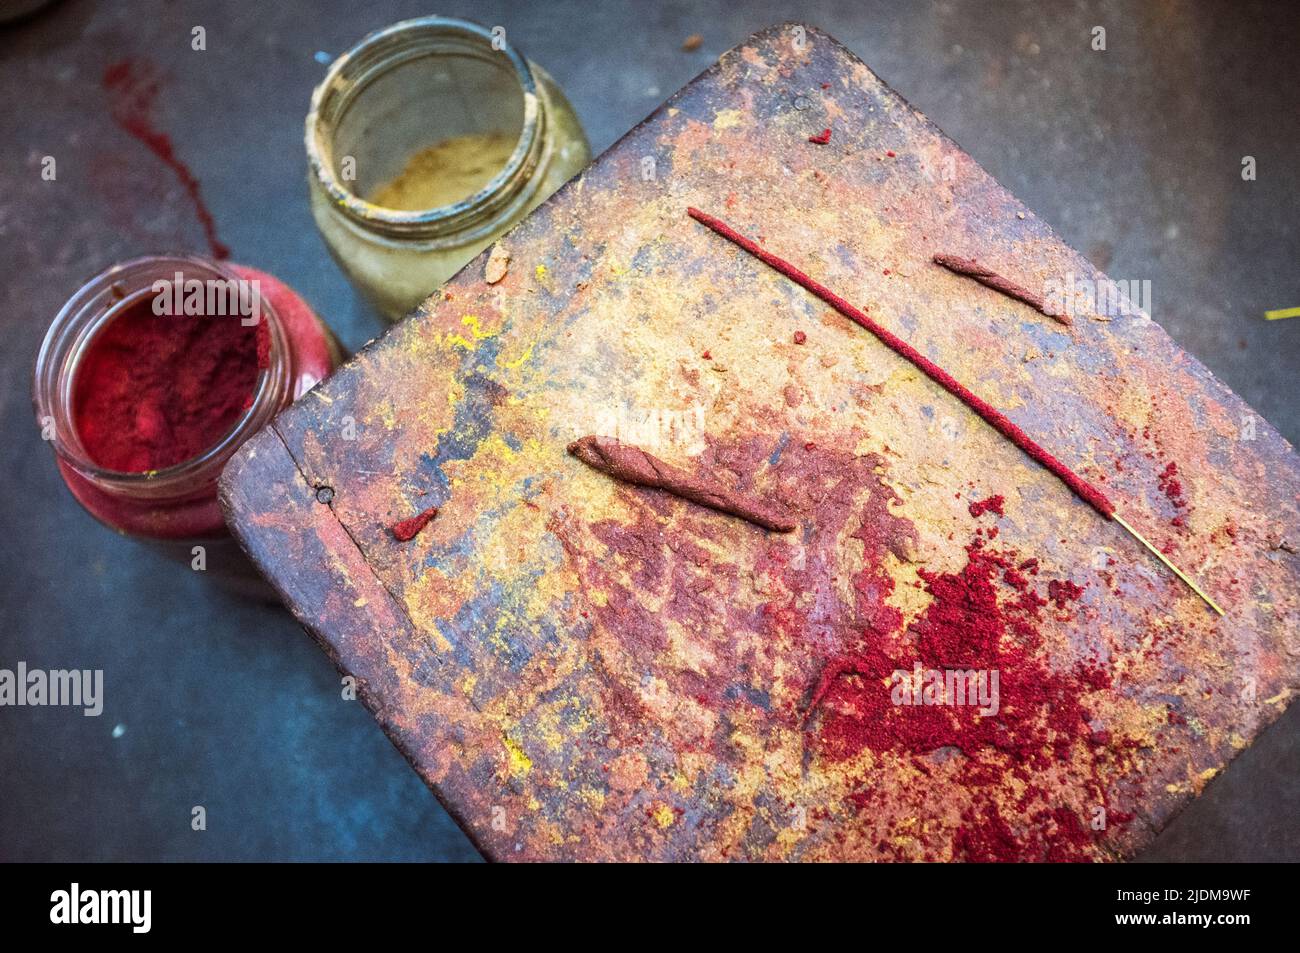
x: 175, y: 507
x: 406, y: 89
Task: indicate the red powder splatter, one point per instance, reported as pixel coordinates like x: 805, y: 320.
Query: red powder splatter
x: 156, y: 390
x: 890, y: 153
x: 406, y: 530
x: 821, y: 138
x: 818, y: 630
x: 1062, y: 591
x: 991, y: 415
x: 132, y: 87
x: 1171, y: 486
x: 1042, y: 722
x: 800, y: 337
x: 991, y: 505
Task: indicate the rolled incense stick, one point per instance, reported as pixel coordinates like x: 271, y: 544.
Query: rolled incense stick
x: 970, y: 268
x: 624, y: 462
x: 990, y: 414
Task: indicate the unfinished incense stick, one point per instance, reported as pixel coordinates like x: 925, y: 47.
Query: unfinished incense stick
x: 970, y: 268
x: 406, y: 530
x: 633, y: 465
x: 990, y: 414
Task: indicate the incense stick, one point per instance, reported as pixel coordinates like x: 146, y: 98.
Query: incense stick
x: 970, y: 268
x: 634, y: 465
x: 1161, y: 556
x: 990, y: 414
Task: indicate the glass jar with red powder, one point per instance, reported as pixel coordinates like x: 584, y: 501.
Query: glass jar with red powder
x: 153, y: 374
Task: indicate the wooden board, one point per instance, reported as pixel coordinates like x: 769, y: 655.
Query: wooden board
x: 583, y: 669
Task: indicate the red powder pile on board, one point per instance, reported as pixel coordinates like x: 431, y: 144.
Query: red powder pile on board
x: 1026, y: 782
x: 983, y: 618
x: 1171, y: 486
x: 992, y: 505
x: 132, y: 87
x: 156, y: 390
x: 1062, y: 591
x: 407, y: 529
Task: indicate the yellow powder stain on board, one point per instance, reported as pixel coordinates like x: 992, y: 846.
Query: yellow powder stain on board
x: 494, y: 445
x: 581, y: 721
x: 519, y: 763
x: 511, y: 365
x: 540, y: 272
x: 664, y: 816
x: 388, y: 415
x: 548, y: 730
x: 440, y: 640
x: 473, y: 322
x: 726, y: 118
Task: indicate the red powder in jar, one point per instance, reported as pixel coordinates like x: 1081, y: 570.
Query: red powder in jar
x: 157, y: 390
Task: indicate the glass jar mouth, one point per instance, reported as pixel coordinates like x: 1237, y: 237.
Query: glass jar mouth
x: 100, y: 301
x: 383, y: 50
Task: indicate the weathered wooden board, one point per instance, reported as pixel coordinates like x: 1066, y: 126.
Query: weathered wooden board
x: 581, y: 669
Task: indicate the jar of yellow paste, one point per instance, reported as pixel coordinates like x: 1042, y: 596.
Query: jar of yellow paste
x: 426, y: 141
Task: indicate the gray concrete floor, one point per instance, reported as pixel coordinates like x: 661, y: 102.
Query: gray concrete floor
x: 1133, y: 154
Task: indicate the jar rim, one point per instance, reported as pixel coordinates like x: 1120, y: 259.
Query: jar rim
x: 336, y: 90
x: 82, y: 318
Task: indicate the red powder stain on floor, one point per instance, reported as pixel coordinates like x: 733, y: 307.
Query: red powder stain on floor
x: 132, y: 87
x: 991, y: 505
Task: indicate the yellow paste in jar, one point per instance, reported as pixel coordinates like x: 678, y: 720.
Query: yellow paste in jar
x: 446, y: 172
